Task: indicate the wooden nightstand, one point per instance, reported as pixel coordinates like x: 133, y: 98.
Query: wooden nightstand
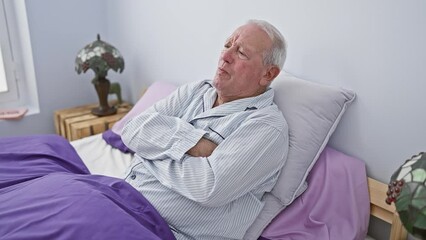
x: 78, y: 122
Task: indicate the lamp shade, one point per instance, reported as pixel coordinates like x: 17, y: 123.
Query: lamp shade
x: 100, y: 57
x: 407, y: 189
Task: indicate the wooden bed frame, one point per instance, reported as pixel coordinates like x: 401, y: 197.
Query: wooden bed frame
x: 383, y: 211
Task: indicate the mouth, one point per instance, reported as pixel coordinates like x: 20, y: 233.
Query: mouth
x: 221, y: 71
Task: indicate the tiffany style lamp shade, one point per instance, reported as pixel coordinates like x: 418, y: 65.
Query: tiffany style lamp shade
x: 407, y: 189
x: 100, y: 57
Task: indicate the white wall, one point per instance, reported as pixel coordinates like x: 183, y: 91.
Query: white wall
x: 376, y: 48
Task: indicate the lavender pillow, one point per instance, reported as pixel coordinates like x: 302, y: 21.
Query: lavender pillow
x: 154, y: 93
x: 336, y: 180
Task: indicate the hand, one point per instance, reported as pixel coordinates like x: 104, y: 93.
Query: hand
x: 203, y: 148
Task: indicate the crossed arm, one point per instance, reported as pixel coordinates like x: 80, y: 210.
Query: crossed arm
x: 235, y: 167
x: 203, y: 148
x: 178, y: 155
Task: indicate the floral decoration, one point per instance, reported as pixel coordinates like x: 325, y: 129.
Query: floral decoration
x: 100, y: 57
x: 407, y: 189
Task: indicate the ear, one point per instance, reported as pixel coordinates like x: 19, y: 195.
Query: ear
x: 270, y: 74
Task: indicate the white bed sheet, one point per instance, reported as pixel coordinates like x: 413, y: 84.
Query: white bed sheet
x: 100, y: 158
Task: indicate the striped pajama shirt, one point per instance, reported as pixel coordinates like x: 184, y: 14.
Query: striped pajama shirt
x: 215, y: 197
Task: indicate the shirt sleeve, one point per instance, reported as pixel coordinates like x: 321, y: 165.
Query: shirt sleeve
x: 245, y: 160
x: 158, y: 133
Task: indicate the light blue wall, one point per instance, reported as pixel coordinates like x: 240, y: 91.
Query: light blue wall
x: 376, y: 48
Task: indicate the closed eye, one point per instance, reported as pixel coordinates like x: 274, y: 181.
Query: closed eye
x: 242, y: 54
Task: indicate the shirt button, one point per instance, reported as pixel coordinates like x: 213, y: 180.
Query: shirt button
x: 133, y: 177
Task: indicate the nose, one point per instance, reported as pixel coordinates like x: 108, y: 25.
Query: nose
x: 227, y: 55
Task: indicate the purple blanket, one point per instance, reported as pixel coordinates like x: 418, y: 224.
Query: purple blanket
x: 46, y: 192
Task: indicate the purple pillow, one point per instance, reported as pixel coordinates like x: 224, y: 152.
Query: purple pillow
x: 335, y: 206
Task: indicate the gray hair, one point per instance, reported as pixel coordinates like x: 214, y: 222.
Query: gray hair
x: 278, y: 52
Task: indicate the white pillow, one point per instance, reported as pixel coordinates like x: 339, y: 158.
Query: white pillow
x: 312, y: 111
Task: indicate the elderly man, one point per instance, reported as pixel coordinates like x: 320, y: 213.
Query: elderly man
x: 206, y: 155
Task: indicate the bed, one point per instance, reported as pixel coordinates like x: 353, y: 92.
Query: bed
x: 55, y: 189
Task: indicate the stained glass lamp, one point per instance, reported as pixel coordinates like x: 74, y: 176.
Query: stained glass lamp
x: 407, y: 189
x: 100, y: 57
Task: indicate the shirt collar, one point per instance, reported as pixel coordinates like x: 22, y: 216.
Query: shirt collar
x: 245, y: 104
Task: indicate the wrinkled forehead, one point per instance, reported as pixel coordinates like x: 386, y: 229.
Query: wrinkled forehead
x: 251, y: 36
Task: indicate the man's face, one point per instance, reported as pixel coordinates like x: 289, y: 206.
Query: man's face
x: 240, y: 71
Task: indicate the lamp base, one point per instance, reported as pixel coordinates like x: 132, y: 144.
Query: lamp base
x: 99, y: 111
x: 102, y: 86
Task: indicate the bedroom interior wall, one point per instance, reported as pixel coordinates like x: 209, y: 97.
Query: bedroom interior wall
x: 375, y: 48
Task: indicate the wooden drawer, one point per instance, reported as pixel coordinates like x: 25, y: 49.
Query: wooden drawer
x: 78, y: 122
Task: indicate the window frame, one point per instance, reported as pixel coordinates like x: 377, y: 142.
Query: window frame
x: 19, y: 62
x: 6, y: 61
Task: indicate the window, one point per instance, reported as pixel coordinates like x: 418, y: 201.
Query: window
x: 17, y: 77
x: 8, y: 90
x: 3, y: 82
